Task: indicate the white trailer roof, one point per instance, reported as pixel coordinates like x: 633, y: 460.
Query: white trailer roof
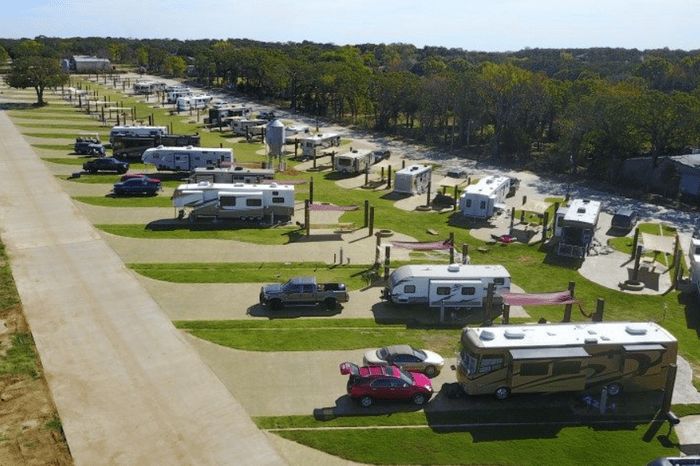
x: 448, y: 272
x: 414, y: 169
x: 320, y: 137
x: 356, y: 154
x: 241, y: 187
x: 560, y: 335
x: 190, y: 149
x: 582, y: 211
x: 487, y: 186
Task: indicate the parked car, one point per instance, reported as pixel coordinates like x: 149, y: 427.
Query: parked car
x: 457, y: 173
x: 369, y: 383
x: 303, y: 291
x: 107, y: 164
x: 129, y: 176
x: 624, y: 219
x: 266, y: 116
x: 141, y: 185
x: 379, y: 155
x: 88, y: 146
x: 407, y: 358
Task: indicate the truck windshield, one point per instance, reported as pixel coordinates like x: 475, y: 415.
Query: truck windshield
x: 469, y: 362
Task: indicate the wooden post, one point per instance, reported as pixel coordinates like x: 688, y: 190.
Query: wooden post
x: 506, y: 314
x: 296, y: 147
x: 676, y: 271
x: 382, y: 174
x: 387, y: 261
x: 307, y: 217
x: 314, y: 160
x: 311, y: 190
x: 524, y: 199
x: 599, y: 308
x: 366, y: 223
x: 452, y: 248
x: 637, y: 258
x: 676, y: 250
x: 376, y: 249
x: 332, y: 160
x: 455, y: 197
x: 545, y: 225
x: 522, y: 216
x: 367, y: 175
x: 403, y: 163
x: 465, y: 253
x: 567, y: 307
x: 427, y: 200
x: 153, y: 119
x: 512, y: 217
x: 635, y: 242
x: 371, y: 221
x: 388, y: 178
x: 489, y: 301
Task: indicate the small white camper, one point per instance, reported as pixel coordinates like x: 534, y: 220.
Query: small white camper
x: 174, y: 93
x: 235, y: 200
x: 413, y: 179
x: 451, y: 286
x: 232, y: 175
x: 574, y: 227
x: 186, y: 158
x: 246, y: 126
x: 192, y: 102
x: 353, y: 162
x: 484, y: 198
x: 312, y: 145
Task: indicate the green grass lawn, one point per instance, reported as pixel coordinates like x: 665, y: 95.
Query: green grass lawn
x: 252, y: 272
x: 61, y: 147
x: 248, y: 235
x: 317, y: 335
x: 519, y: 445
x: 110, y: 179
x: 103, y: 136
x: 120, y: 201
x: 78, y: 127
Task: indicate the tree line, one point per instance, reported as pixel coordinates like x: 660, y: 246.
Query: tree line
x: 583, y: 110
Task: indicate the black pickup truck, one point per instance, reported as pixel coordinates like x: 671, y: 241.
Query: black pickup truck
x: 303, y: 291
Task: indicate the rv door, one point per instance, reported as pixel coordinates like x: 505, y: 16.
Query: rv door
x: 456, y: 293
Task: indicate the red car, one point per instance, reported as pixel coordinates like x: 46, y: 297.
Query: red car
x: 369, y: 383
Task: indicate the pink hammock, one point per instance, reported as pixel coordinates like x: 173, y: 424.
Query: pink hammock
x: 418, y: 246
x: 535, y: 299
x: 331, y: 207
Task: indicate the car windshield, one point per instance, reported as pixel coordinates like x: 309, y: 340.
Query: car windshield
x: 382, y: 353
x: 420, y: 354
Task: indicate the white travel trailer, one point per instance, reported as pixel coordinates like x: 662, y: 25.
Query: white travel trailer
x: 574, y: 227
x: 353, y: 162
x: 172, y: 94
x: 222, y: 114
x: 694, y: 254
x: 629, y: 356
x: 148, y: 87
x: 449, y: 286
x: 482, y: 199
x: 232, y: 175
x: 294, y: 132
x: 186, y: 158
x: 311, y: 146
x: 193, y: 102
x: 137, y: 131
x: 413, y: 179
x: 245, y: 126
x: 235, y: 200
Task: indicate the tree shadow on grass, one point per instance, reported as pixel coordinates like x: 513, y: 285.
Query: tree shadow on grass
x: 691, y: 305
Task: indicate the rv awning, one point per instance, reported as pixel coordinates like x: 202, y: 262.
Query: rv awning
x: 240, y: 193
x: 500, y: 206
x: 548, y: 353
x: 535, y: 206
x: 332, y: 207
x: 658, y: 243
x: 423, y: 246
x: 653, y: 347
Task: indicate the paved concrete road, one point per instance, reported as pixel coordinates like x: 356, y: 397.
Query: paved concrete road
x: 128, y: 387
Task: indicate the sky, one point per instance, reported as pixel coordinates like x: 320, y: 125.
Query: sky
x: 486, y: 25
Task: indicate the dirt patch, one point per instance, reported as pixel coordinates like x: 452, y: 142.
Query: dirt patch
x: 30, y: 430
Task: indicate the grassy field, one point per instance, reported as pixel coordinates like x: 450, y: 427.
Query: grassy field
x: 71, y: 136
x: 317, y: 334
x: 249, y: 235
x: 107, y: 178
x: 253, y: 272
x: 141, y: 201
x: 62, y: 147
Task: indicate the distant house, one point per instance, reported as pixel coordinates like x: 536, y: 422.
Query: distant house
x: 673, y: 174
x: 85, y: 64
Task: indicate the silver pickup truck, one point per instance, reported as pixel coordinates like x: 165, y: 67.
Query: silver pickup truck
x: 303, y: 291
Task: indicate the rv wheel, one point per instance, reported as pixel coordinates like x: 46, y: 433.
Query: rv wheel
x: 502, y: 393
x: 366, y: 401
x: 614, y: 389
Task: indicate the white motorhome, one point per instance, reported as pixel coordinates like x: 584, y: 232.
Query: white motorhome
x: 311, y: 146
x: 137, y: 131
x: 413, y: 179
x: 232, y: 175
x: 235, y: 200
x: 484, y: 198
x: 501, y: 360
x: 192, y: 102
x: 353, y: 162
x: 245, y: 126
x: 172, y: 94
x: 694, y: 254
x: 186, y: 158
x: 574, y: 227
x: 449, y: 286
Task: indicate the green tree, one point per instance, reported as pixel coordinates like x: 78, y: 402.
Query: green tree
x: 37, y: 72
x: 4, y: 56
x: 174, y: 66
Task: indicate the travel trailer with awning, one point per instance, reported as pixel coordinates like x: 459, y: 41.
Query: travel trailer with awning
x: 311, y: 146
x: 232, y: 175
x: 186, y: 158
x: 484, y: 198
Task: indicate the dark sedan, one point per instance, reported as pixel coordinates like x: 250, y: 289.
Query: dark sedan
x: 107, y: 164
x: 133, y: 186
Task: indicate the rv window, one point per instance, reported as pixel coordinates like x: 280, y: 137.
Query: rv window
x: 499, y: 281
x: 278, y: 200
x: 227, y: 201
x: 469, y: 202
x: 468, y: 290
x: 275, y: 193
x: 409, y: 289
x: 482, y: 206
x: 253, y: 202
x: 442, y: 290
x: 566, y: 367
x: 490, y: 363
x: 534, y: 368
x: 469, y: 362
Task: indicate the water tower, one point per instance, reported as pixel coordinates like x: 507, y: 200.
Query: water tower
x: 274, y: 138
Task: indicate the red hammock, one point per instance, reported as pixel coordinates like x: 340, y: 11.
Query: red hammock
x: 330, y: 207
x: 418, y: 246
x: 543, y: 299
